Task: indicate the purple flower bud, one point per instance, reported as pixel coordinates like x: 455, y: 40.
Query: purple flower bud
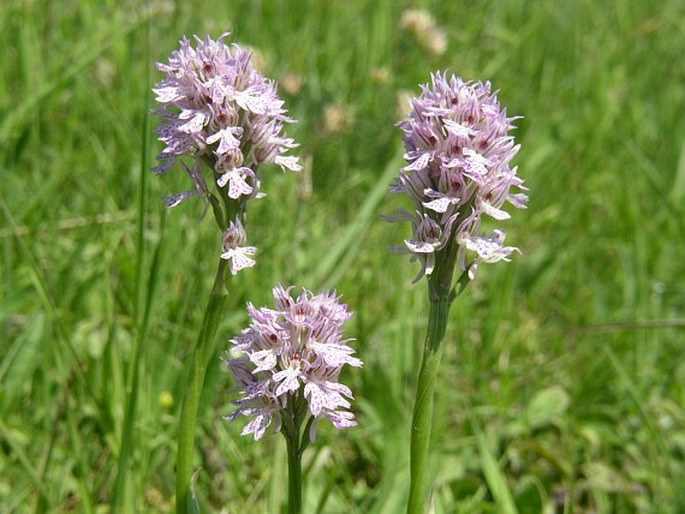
x: 293, y: 354
x: 458, y: 150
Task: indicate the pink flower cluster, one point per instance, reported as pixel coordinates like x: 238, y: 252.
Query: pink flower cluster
x: 290, y: 360
x: 217, y: 108
x: 458, y: 150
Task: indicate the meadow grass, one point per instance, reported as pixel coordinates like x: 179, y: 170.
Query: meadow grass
x: 562, y: 387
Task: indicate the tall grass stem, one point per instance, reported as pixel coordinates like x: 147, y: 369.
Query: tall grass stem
x: 143, y: 302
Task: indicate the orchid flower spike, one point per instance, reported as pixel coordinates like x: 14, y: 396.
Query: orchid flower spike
x: 218, y: 109
x: 288, y: 361
x: 458, y: 150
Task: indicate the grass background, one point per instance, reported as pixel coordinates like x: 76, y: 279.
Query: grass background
x: 562, y: 388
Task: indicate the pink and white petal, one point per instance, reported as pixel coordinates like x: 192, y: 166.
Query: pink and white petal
x: 440, y: 205
x: 430, y: 263
x: 493, y: 211
x: 252, y: 101
x: 458, y: 129
x: 417, y: 246
x: 288, y: 161
x: 335, y: 355
x: 194, y: 125
x: 519, y: 200
x: 341, y: 419
x: 288, y: 379
x: 240, y: 261
x: 316, y: 398
x: 257, y: 426
x: 264, y: 360
x: 227, y: 141
x: 167, y: 94
x: 337, y: 387
x: 420, y: 163
x: 223, y: 179
x: 237, y: 186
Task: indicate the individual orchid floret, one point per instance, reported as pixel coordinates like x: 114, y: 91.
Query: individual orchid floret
x: 489, y: 248
x: 289, y: 360
x: 458, y: 152
x: 237, y: 255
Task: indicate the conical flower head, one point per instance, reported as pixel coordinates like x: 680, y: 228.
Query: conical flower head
x: 292, y: 355
x: 219, y: 110
x: 458, y: 150
x: 216, y: 104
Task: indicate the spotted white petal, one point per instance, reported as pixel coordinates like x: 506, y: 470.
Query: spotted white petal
x: 264, y: 360
x: 288, y: 161
x: 257, y: 427
x: 238, y: 258
x: 493, y: 211
x: 289, y: 380
x: 420, y: 163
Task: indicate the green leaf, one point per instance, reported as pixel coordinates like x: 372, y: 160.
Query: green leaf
x: 547, y: 406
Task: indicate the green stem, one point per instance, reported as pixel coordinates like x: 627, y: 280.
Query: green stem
x: 423, y: 407
x: 441, y: 292
x: 296, y: 442
x: 204, y: 349
x: 294, y: 474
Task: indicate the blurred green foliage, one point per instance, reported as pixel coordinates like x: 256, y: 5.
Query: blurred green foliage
x: 562, y: 390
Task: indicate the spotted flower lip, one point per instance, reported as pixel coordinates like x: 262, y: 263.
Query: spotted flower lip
x: 292, y: 354
x: 237, y: 255
x: 458, y: 153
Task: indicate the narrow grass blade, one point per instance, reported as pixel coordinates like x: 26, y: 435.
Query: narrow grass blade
x: 493, y: 475
x: 678, y: 188
x: 74, y: 64
x: 143, y: 305
x: 346, y: 244
x: 48, y: 303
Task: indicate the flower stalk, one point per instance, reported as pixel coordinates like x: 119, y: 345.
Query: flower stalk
x: 441, y: 296
x: 423, y: 407
x: 294, y: 474
x: 286, y: 366
x: 458, y: 154
x: 296, y: 442
x: 220, y: 112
